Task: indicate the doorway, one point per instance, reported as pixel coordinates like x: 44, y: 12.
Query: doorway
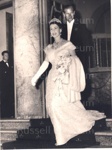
x: 9, y: 45
x: 9, y: 36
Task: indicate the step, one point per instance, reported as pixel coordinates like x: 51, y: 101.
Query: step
x: 40, y: 122
x: 26, y: 144
x: 100, y: 125
x: 104, y: 137
x: 14, y: 124
x: 36, y: 133
x: 109, y: 123
x: 46, y: 134
x: 4, y: 141
x: 8, y: 135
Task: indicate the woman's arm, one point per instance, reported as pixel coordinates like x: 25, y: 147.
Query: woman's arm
x: 41, y: 70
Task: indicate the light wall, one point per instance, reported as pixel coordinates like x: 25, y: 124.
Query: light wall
x: 3, y: 42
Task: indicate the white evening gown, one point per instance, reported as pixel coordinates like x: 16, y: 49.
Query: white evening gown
x: 67, y: 114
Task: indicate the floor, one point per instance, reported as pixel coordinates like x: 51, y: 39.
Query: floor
x: 28, y: 144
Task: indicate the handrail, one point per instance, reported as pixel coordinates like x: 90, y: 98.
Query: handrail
x: 101, y: 35
x: 99, y: 69
x: 101, y: 50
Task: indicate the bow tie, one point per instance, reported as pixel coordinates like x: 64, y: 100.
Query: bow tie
x: 7, y: 64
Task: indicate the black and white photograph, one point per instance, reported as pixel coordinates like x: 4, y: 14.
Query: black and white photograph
x: 55, y: 74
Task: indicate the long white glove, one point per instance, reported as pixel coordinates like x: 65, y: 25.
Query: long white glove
x: 41, y: 70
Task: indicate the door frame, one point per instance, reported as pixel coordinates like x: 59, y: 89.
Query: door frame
x: 43, y: 18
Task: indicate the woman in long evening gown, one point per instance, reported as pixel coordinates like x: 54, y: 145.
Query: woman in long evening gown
x: 65, y: 81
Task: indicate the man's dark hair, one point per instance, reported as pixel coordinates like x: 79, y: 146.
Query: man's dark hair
x: 4, y: 52
x: 73, y: 6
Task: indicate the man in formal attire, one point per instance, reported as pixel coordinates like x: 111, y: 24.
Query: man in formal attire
x: 6, y: 87
x: 77, y: 33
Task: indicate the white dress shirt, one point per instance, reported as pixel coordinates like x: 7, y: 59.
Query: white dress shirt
x: 6, y: 63
x: 69, y: 29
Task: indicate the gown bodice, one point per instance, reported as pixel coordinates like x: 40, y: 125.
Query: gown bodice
x: 54, y: 55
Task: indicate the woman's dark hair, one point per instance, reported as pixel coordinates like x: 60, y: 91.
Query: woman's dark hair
x: 57, y: 23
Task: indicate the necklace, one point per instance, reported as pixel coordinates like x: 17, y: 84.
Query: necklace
x: 57, y: 44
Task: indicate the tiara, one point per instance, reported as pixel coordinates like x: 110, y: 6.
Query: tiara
x: 55, y: 20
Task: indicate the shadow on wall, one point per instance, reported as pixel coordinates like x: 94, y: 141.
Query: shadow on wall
x: 102, y: 19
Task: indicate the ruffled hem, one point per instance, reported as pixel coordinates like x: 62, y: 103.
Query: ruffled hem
x: 65, y: 141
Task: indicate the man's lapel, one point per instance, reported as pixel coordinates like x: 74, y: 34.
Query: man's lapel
x: 64, y: 31
x: 75, y: 30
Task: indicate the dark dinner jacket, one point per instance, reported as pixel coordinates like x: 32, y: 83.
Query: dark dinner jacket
x: 4, y: 75
x: 81, y: 38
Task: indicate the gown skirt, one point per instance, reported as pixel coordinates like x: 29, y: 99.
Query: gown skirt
x: 69, y: 119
